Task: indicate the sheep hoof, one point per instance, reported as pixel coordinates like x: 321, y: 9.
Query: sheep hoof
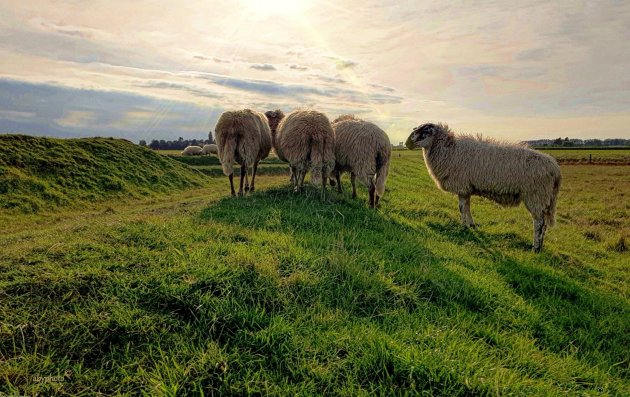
x: 251, y: 189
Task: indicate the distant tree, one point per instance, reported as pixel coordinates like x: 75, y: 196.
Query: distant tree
x: 557, y: 142
x: 210, y: 137
x: 143, y: 142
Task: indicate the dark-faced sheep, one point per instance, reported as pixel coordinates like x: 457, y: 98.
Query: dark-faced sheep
x: 192, y: 151
x: 242, y: 136
x: 506, y: 174
x: 364, y: 150
x: 305, y: 139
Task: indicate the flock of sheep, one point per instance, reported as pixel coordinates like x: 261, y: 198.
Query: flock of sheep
x: 463, y: 165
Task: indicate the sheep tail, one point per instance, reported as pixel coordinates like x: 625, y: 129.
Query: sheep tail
x: 228, y: 154
x: 550, y: 212
x: 382, y: 169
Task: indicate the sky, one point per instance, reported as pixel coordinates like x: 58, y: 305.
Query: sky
x: 149, y: 69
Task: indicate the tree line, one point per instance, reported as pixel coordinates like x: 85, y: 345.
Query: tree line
x: 575, y: 142
x: 179, y: 144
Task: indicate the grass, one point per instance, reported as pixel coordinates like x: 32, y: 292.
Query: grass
x: 613, y: 156
x: 46, y: 173
x: 197, y: 293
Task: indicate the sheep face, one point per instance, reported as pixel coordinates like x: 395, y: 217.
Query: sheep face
x: 421, y: 137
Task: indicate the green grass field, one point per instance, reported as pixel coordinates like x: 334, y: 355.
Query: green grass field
x: 193, y: 292
x: 596, y: 155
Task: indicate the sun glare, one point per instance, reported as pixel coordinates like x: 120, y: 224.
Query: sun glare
x: 277, y: 7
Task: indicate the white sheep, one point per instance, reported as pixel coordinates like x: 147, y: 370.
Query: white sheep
x: 305, y: 139
x: 506, y: 174
x: 192, y: 151
x: 242, y: 136
x: 364, y: 150
x: 210, y: 149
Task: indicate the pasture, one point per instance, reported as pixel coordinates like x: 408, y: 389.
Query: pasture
x: 193, y: 292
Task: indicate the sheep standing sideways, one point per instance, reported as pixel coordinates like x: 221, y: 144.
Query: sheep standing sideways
x: 506, y: 174
x: 210, y: 149
x: 192, y: 151
x: 306, y: 140
x: 364, y: 150
x: 242, y: 136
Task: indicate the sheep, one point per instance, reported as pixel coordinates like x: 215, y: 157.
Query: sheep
x: 210, y: 149
x: 274, y: 117
x: 192, y: 151
x: 242, y: 136
x: 305, y: 139
x: 506, y: 174
x: 364, y: 150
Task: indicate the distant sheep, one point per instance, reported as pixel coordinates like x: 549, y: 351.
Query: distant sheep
x: 305, y: 139
x: 242, y: 136
x: 364, y: 150
x: 192, y: 151
x: 210, y: 149
x: 506, y: 174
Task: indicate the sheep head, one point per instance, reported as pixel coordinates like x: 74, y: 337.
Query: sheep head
x: 422, y: 136
x: 344, y: 117
x: 274, y: 117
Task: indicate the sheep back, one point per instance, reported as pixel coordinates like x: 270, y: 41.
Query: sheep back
x: 242, y: 136
x: 192, y: 150
x: 363, y: 148
x: 504, y: 173
x: 305, y: 138
x: 210, y: 148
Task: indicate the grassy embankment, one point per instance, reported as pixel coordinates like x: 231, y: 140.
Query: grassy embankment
x: 274, y: 293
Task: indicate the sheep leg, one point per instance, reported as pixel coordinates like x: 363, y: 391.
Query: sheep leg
x: 353, y: 179
x: 231, y: 178
x: 243, y: 172
x: 301, y: 178
x: 293, y: 177
x: 246, y: 179
x: 338, y: 178
x: 324, y: 179
x: 539, y: 234
x: 251, y: 188
x: 372, y: 191
x: 464, y: 209
x: 297, y: 177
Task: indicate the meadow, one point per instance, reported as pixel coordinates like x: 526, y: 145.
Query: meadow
x: 187, y: 291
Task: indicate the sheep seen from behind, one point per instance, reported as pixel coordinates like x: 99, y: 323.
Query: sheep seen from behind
x: 242, y: 136
x: 506, y: 174
x: 364, y: 150
x: 306, y: 140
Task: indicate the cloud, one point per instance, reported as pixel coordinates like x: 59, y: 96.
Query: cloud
x: 263, y: 66
x: 345, y: 64
x: 269, y: 87
x: 76, y: 118
x: 202, y: 92
x: 44, y: 109
x: 298, y: 67
x: 533, y: 54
